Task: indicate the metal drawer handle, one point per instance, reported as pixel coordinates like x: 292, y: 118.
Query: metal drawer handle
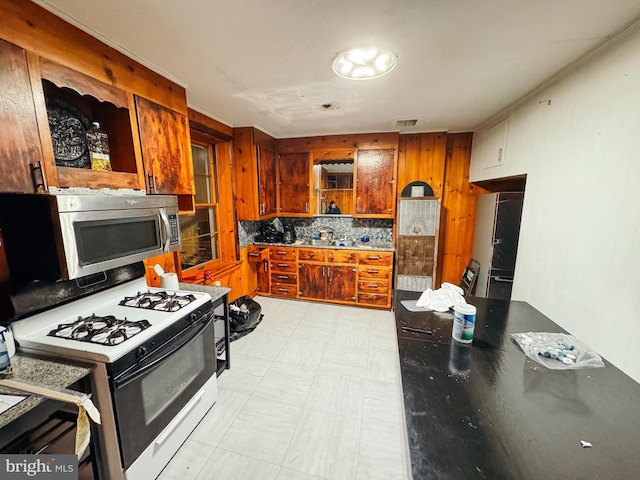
x: 373, y: 258
x: 372, y: 271
x: 280, y: 252
x: 283, y: 290
x: 283, y: 264
x: 283, y: 277
x: 373, y: 285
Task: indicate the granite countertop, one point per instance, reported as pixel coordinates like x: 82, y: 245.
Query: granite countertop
x: 359, y: 245
x: 42, y: 371
x: 215, y: 291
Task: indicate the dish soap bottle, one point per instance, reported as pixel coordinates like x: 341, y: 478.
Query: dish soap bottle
x: 98, y: 144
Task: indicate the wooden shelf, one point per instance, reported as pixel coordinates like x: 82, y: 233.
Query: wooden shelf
x: 85, y: 177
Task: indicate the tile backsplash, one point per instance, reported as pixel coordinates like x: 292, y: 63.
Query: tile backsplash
x: 377, y: 229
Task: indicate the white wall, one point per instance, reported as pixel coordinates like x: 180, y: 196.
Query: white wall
x: 579, y: 250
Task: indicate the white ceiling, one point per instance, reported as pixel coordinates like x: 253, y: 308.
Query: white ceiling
x: 267, y: 63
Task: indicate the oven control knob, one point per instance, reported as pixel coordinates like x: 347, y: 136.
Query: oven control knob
x: 141, y: 352
x: 194, y: 316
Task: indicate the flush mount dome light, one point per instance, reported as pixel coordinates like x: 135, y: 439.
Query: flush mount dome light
x: 361, y: 63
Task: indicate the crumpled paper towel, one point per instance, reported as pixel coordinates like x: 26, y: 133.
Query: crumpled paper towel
x: 441, y: 300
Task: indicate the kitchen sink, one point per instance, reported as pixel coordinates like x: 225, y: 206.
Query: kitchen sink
x: 330, y: 243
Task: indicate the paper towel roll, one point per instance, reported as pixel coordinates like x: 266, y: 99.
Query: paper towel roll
x: 169, y: 281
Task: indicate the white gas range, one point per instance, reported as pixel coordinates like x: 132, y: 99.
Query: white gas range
x: 155, y: 366
x: 106, y: 325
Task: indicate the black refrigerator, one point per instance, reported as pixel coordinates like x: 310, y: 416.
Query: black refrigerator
x: 495, y: 242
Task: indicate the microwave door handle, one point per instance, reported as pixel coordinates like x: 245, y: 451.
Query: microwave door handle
x: 161, y: 355
x: 164, y: 230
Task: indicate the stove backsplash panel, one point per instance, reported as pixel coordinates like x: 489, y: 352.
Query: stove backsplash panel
x: 30, y: 298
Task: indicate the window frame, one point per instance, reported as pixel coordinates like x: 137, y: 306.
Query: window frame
x: 209, y: 142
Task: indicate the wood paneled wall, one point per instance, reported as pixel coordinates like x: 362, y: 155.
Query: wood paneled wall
x: 442, y: 160
x: 459, y: 208
x: 422, y: 158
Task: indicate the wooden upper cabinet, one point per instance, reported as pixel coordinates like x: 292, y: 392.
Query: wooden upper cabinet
x: 166, y: 151
x: 20, y: 146
x: 254, y: 174
x: 375, y: 186
x: 294, y: 170
x: 267, y: 184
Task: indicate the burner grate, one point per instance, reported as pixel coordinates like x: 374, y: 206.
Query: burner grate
x: 107, y: 330
x: 161, y: 301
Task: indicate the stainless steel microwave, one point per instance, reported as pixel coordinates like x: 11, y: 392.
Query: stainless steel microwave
x: 52, y: 237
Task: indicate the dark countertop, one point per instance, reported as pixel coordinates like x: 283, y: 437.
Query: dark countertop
x: 40, y: 371
x: 488, y: 411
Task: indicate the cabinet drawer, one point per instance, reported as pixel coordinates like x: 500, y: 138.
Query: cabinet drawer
x: 373, y: 286
x: 288, y: 278
x: 374, y: 299
x: 341, y: 256
x: 256, y: 255
x: 375, y: 258
x: 381, y: 273
x: 284, y: 267
x: 311, y: 254
x: 284, y: 290
x: 288, y: 254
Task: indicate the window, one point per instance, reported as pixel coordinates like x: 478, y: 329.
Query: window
x: 199, y: 230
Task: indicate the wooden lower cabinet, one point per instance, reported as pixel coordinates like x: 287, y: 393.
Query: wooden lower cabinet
x: 374, y: 278
x: 332, y: 275
x: 341, y: 281
x: 327, y: 282
x: 283, y: 267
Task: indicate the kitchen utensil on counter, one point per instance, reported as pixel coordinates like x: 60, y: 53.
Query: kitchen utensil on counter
x: 289, y: 235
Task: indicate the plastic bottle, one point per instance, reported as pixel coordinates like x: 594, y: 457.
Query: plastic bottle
x: 98, y: 144
x: 5, y: 363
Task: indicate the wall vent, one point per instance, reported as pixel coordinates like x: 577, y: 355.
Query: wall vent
x: 406, y: 123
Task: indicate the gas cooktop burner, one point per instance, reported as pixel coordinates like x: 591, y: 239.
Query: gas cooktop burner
x: 160, y: 301
x: 107, y: 330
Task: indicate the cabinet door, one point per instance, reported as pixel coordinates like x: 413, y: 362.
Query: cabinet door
x: 295, y: 175
x: 375, y: 188
x: 166, y: 153
x: 263, y: 277
x: 266, y: 181
x: 20, y: 145
x: 312, y: 280
x: 341, y: 283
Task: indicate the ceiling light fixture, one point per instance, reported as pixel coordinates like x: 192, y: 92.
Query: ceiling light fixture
x: 364, y: 62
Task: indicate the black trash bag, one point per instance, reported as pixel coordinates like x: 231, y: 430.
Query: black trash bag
x: 244, y: 314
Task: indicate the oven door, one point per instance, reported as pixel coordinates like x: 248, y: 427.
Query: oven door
x: 152, y: 392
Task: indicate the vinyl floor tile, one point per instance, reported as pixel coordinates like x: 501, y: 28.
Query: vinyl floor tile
x: 286, y: 383
x: 220, y: 417
x: 304, y: 352
x: 262, y: 430
x: 325, y: 445
x: 337, y: 394
x: 187, y: 462
x: 313, y: 393
x: 244, y: 375
x: 225, y: 465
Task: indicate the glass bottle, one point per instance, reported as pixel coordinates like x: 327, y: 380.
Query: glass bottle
x: 98, y: 144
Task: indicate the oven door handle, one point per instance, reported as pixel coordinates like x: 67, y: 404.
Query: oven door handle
x: 160, y: 355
